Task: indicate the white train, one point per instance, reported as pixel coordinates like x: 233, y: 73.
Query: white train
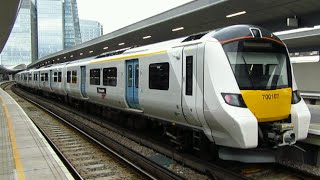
x: 234, y: 84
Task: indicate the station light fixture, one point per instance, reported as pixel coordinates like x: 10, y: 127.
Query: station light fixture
x: 90, y: 52
x: 81, y: 54
x: 121, y: 44
x: 146, y: 37
x: 178, y: 29
x: 105, y: 47
x: 236, y: 14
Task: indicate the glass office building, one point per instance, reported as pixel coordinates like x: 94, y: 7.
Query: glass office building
x: 50, y: 26
x: 21, y: 47
x: 58, y: 25
x: 72, y: 36
x: 90, y: 29
x: 42, y: 27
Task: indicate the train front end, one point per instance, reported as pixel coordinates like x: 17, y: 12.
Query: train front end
x: 259, y: 97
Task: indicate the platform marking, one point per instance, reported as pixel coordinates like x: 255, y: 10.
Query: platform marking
x: 16, y: 155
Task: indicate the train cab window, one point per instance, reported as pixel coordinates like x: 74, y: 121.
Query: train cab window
x: 59, y: 76
x: 110, y: 76
x: 55, y: 77
x: 74, y: 77
x: 45, y: 76
x: 68, y: 76
x: 95, y: 76
x: 189, y: 75
x: 159, y: 76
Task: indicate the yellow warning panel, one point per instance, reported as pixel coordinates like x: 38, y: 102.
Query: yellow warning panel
x: 268, y: 105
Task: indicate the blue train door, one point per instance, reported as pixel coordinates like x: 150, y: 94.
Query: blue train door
x: 83, y: 82
x: 132, y: 83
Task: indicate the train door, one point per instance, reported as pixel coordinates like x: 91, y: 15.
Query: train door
x: 83, y: 82
x: 39, y: 79
x: 188, y: 99
x: 50, y: 80
x: 132, y: 83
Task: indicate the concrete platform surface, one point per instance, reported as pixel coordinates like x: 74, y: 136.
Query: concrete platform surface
x: 24, y: 152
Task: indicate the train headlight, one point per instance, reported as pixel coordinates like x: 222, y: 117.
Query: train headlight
x: 295, y: 97
x: 233, y: 99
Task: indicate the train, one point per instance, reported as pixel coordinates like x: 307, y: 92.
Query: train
x: 233, y: 85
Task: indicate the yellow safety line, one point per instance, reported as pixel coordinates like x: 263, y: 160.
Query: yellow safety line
x: 15, y: 150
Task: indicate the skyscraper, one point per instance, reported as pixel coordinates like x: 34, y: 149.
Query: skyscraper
x: 72, y: 36
x: 58, y: 25
x: 21, y: 47
x: 42, y: 27
x: 90, y: 29
x: 50, y: 26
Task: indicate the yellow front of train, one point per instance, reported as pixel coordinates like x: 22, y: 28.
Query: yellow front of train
x: 262, y: 69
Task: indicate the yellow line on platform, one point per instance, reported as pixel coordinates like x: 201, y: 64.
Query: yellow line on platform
x: 16, y: 155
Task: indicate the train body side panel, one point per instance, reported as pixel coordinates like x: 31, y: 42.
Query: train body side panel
x: 57, y: 86
x: 109, y: 95
x: 73, y: 86
x: 231, y: 126
x: 162, y: 104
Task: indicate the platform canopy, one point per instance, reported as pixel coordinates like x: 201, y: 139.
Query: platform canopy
x: 197, y: 16
x: 8, y: 13
x: 12, y: 69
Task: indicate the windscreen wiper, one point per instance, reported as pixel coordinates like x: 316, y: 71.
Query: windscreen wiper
x: 248, y: 71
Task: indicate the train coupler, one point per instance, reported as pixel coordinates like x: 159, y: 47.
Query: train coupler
x: 282, y: 134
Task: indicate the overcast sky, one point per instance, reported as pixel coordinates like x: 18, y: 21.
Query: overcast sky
x: 115, y: 14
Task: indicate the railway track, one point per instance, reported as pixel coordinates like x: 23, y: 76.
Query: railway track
x: 218, y: 170
x: 82, y: 157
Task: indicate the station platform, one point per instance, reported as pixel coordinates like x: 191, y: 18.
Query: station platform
x: 24, y: 152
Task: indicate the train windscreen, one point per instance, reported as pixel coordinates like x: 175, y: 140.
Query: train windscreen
x: 259, y: 64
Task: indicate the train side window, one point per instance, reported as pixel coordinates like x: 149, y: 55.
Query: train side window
x: 110, y: 76
x: 95, y: 76
x: 159, y: 76
x: 68, y: 76
x: 59, y: 76
x: 55, y: 77
x: 74, y: 77
x: 189, y: 75
x: 45, y: 76
x: 42, y: 76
